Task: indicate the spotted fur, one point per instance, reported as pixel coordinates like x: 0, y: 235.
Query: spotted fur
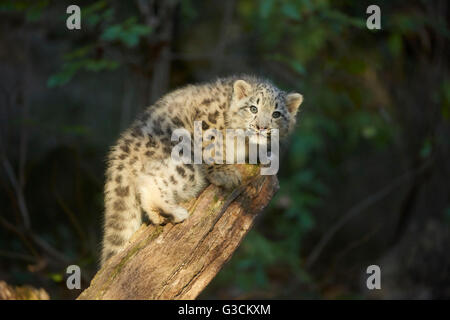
x: 142, y: 180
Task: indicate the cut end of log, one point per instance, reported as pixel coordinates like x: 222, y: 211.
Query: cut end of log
x: 178, y: 261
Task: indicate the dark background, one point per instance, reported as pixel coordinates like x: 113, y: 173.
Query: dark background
x: 365, y: 181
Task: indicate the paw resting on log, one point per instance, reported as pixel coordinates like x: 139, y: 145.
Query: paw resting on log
x: 177, y: 261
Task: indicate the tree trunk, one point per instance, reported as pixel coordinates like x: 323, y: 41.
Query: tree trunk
x: 178, y: 261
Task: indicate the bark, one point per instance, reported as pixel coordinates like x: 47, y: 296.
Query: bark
x: 8, y: 292
x: 178, y: 261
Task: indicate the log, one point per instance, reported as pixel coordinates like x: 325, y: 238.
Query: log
x: 178, y: 261
x: 8, y: 292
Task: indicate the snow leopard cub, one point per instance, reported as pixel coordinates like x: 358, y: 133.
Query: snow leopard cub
x: 141, y: 178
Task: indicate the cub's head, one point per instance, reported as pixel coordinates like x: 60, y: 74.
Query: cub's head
x: 258, y: 105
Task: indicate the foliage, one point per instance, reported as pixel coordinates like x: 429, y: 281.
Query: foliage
x: 99, y: 16
x: 377, y: 105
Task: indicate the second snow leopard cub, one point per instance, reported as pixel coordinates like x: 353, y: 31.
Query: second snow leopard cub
x: 141, y: 177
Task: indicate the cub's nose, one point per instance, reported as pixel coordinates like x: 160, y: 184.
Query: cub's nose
x: 261, y: 127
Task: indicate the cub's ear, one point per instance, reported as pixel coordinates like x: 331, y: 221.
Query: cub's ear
x: 241, y: 89
x: 293, y: 101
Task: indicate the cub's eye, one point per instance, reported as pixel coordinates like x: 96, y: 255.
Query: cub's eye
x: 253, y: 109
x: 276, y: 114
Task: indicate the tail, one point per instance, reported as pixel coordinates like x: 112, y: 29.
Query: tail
x: 122, y: 209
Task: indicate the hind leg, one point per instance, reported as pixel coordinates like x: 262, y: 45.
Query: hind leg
x: 154, y: 200
x: 176, y: 212
x: 164, y: 208
x: 148, y: 192
x: 154, y: 216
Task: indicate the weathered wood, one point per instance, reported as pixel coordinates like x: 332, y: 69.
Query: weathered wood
x: 8, y: 292
x: 178, y: 261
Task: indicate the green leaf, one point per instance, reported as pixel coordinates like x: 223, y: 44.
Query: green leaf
x: 306, y: 221
x: 369, y: 132
x: 56, y: 277
x: 265, y: 8
x: 70, y: 68
x: 96, y: 13
x: 395, y: 44
x: 78, y: 53
x: 64, y: 76
x: 95, y: 7
x: 99, y: 65
x: 35, y: 11
x: 290, y: 11
x: 188, y: 10
x: 426, y: 149
x: 128, y: 32
x: 297, y: 66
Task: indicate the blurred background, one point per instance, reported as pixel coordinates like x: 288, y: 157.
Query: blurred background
x: 366, y: 179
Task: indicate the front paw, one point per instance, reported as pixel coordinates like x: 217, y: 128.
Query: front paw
x: 179, y: 215
x: 228, y: 179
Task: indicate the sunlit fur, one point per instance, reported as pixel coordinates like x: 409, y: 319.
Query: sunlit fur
x: 142, y: 180
x: 268, y: 99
